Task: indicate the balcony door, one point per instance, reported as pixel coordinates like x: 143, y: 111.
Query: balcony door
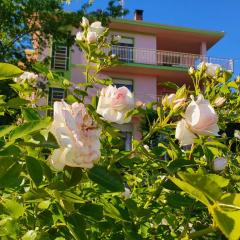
x: 124, y: 49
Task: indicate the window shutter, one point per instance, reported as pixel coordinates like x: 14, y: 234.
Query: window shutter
x: 60, y: 57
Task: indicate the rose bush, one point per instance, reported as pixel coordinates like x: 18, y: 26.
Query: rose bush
x: 158, y: 190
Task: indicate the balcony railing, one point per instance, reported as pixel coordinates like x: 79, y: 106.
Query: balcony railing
x: 166, y: 58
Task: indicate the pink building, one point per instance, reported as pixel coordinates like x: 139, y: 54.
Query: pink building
x: 151, y: 54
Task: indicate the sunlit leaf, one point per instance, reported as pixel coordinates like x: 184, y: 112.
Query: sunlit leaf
x: 8, y: 71
x: 13, y: 208
x: 228, y: 222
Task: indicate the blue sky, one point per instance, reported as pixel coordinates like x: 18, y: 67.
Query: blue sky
x: 217, y: 15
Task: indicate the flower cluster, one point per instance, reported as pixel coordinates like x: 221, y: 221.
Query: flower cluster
x: 91, y: 32
x: 209, y: 68
x: 27, y: 77
x: 29, y: 86
x: 78, y: 135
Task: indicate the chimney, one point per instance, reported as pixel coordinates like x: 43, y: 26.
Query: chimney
x: 138, y: 16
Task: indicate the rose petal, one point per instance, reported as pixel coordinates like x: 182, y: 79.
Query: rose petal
x: 183, y: 134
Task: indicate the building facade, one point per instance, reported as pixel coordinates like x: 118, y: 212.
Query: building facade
x: 151, y: 54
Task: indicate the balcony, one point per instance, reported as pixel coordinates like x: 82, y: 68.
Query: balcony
x: 166, y: 58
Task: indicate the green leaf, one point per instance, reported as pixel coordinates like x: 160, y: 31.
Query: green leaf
x: 35, y: 195
x: 76, y: 226
x: 8, y: 71
x: 232, y: 84
x: 9, y: 172
x: 136, y: 211
x: 188, y: 188
x: 228, y: 222
x: 170, y: 85
x: 10, y: 151
x: 224, y: 89
x: 5, y: 129
x: 71, y: 197
x: 13, y: 208
x: 91, y: 210
x: 80, y: 92
x: 16, y: 102
x: 178, y: 164
x: 219, y: 180
x: 107, y: 179
x: 71, y: 99
x: 8, y: 227
x: 35, y: 170
x: 177, y: 200
x: 216, y: 145
x: 231, y: 198
x: 72, y: 175
x: 111, y: 211
x: 30, y: 114
x: 29, y: 127
x: 204, y: 183
x: 44, y: 204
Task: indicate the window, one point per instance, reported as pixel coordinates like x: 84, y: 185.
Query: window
x: 55, y: 94
x: 60, y: 57
x: 123, y: 82
x: 124, y: 49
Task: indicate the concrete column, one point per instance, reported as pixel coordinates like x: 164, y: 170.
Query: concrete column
x: 203, y: 49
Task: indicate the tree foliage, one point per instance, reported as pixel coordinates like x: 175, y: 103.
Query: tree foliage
x: 20, y: 19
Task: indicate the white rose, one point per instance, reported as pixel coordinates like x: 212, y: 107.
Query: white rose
x: 200, y: 118
x: 114, y: 103
x: 79, y: 36
x: 92, y: 37
x: 85, y: 22
x: 77, y: 135
x: 126, y: 193
x: 97, y: 27
x: 219, y: 101
x: 219, y: 164
x: 210, y: 68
